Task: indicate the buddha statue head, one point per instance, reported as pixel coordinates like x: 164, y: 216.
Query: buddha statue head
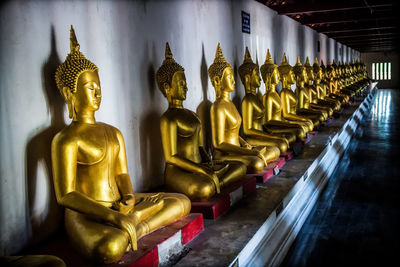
x: 317, y: 71
x: 78, y: 81
x: 270, y: 72
x: 300, y: 72
x: 286, y: 73
x: 309, y: 70
x: 171, y: 78
x: 249, y: 73
x: 221, y: 73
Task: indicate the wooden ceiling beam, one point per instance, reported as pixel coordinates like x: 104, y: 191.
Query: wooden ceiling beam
x: 344, y: 19
x: 362, y: 36
x: 323, y: 6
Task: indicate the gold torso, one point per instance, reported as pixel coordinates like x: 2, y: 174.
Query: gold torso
x: 232, y: 120
x: 273, y: 106
x: 257, y: 111
x: 188, y: 129
x: 97, y: 153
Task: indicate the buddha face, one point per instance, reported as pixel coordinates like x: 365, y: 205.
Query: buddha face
x: 227, y: 80
x: 88, y: 92
x: 178, y: 87
x: 290, y: 77
x: 318, y: 75
x: 275, y: 76
x: 304, y: 76
x: 255, y: 78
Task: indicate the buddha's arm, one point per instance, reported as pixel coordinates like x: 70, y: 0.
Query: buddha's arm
x: 64, y: 161
x: 300, y: 100
x: 247, y: 111
x: 218, y: 134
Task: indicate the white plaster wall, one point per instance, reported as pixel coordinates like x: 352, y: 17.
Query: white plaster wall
x: 126, y: 40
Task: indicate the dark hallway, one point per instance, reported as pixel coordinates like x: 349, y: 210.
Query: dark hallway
x: 356, y: 220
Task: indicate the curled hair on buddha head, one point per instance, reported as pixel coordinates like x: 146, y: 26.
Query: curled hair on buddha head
x: 298, y: 68
x: 284, y: 68
x: 247, y: 66
x: 219, y: 64
x: 167, y: 70
x: 68, y: 72
x: 268, y: 67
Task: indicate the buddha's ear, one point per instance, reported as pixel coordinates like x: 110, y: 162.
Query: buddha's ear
x: 167, y: 90
x: 216, y: 81
x: 247, y: 79
x: 67, y: 94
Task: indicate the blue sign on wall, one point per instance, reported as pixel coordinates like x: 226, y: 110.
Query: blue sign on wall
x: 245, y: 22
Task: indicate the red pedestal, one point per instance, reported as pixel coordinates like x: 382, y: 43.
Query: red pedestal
x: 174, y: 235
x: 222, y: 202
x: 288, y: 155
x: 269, y: 171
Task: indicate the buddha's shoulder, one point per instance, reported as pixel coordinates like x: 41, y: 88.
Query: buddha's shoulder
x: 176, y: 114
x: 74, y: 132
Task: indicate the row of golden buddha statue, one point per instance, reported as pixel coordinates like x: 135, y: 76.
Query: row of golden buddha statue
x: 104, y: 217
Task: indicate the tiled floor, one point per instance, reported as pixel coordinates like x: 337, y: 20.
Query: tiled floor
x: 357, y: 218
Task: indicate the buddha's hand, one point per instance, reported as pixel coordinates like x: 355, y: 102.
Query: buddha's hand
x: 210, y: 173
x: 126, y: 204
x: 260, y: 153
x: 247, y: 146
x: 127, y: 223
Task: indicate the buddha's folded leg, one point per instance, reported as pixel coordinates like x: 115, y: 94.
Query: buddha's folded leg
x: 235, y: 172
x: 101, y: 242
x: 196, y: 186
x: 281, y: 145
x: 176, y: 206
x: 271, y: 153
x: 254, y: 164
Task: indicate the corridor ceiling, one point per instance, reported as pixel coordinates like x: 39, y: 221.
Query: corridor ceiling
x: 364, y: 25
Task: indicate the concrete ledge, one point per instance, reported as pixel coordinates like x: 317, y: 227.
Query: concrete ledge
x: 261, y: 228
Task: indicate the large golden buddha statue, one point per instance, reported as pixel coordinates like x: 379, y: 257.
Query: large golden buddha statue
x: 314, y: 92
x: 304, y: 96
x: 188, y: 169
x: 103, y: 217
x: 273, y: 119
x: 226, y: 120
x: 288, y: 97
x: 253, y: 109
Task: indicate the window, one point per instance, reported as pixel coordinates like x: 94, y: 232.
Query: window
x: 382, y: 71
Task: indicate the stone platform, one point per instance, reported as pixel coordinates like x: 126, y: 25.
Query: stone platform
x: 259, y: 230
x: 222, y: 202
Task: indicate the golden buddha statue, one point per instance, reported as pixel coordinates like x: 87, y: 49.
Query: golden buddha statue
x: 273, y: 119
x: 303, y: 96
x: 288, y: 97
x: 226, y: 120
x: 314, y: 92
x: 103, y: 217
x: 320, y: 88
x: 186, y: 171
x: 253, y: 109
